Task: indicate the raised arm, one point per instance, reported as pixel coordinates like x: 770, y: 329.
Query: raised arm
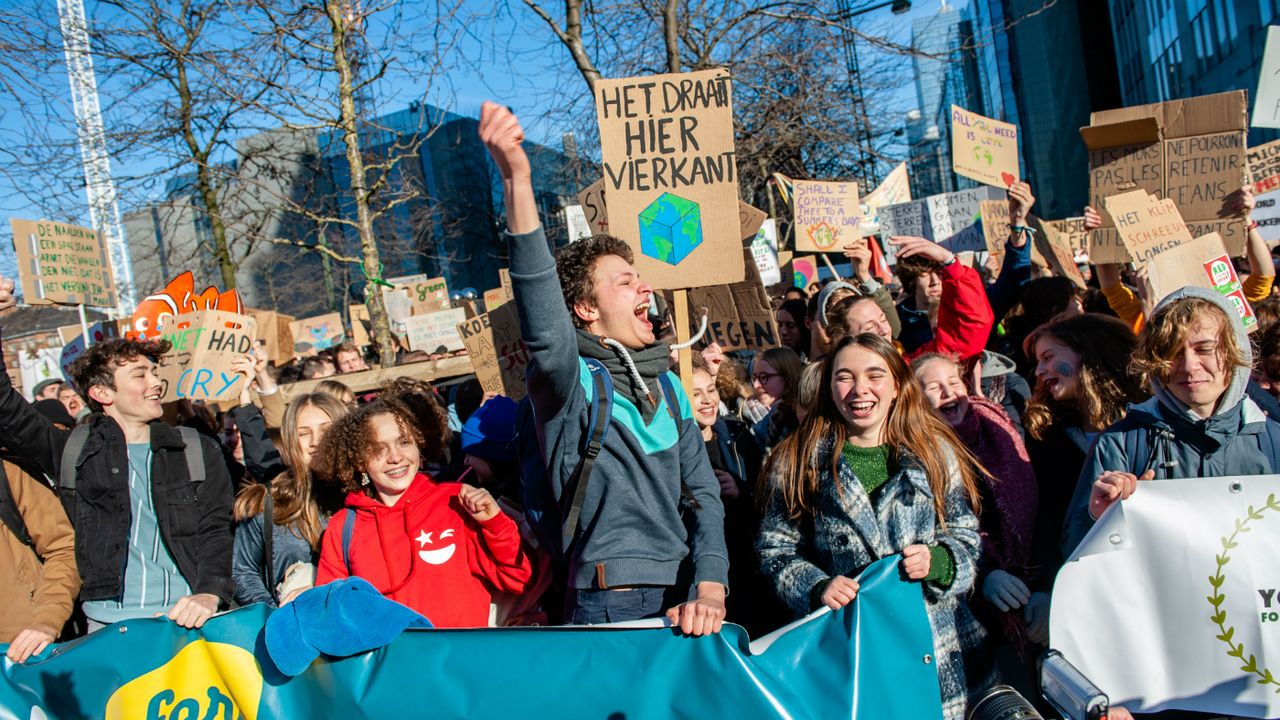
x: 545, y: 324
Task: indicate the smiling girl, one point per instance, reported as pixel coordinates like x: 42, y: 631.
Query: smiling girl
x: 872, y: 473
x: 439, y: 548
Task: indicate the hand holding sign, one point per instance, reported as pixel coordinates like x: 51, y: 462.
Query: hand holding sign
x: 859, y: 254
x: 1020, y: 202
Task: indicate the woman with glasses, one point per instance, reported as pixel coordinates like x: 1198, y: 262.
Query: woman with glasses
x: 775, y: 376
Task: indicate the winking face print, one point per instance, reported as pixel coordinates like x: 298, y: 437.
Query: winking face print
x: 434, y: 550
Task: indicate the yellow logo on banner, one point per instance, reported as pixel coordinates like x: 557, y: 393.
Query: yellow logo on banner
x: 203, y: 681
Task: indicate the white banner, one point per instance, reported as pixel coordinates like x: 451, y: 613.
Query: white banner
x: 1171, y: 600
x: 37, y: 368
x: 575, y: 219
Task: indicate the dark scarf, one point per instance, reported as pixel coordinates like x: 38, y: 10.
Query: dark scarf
x: 651, y: 362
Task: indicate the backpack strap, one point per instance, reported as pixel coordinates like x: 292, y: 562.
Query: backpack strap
x: 10, y: 515
x: 348, y: 530
x: 598, y: 420
x: 268, y: 535
x: 687, y: 500
x: 193, y: 454
x: 71, y: 456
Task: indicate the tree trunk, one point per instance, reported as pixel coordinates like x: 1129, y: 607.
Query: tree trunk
x: 204, y: 179
x: 359, y: 190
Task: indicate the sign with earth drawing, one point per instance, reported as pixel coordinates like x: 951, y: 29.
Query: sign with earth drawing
x: 670, y: 175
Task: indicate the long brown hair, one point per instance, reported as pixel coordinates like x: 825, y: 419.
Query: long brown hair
x: 1107, y: 384
x: 292, y: 493
x: 789, y: 365
x: 911, y: 427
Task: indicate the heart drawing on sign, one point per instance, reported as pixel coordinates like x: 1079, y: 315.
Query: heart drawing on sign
x: 1008, y: 179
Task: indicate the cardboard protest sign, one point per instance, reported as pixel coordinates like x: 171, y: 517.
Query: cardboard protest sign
x: 592, y: 201
x: 204, y: 344
x: 1266, y: 102
x: 1202, y: 262
x: 495, y: 298
x: 436, y: 332
x: 178, y: 297
x: 1148, y: 226
x: 937, y: 217
x: 804, y: 271
x: 764, y: 252
x: 61, y: 263
x: 73, y: 348
x: 1071, y: 233
x: 426, y: 295
x: 1266, y: 212
x: 827, y: 215
x: 1056, y: 249
x: 497, y: 352
x: 984, y: 149
x: 995, y: 227
x: 749, y: 220
x: 894, y: 189
x: 666, y: 144
x: 361, y: 325
x: 274, y: 332
x: 739, y: 316
x: 575, y: 221
x: 313, y: 335
x: 1190, y: 151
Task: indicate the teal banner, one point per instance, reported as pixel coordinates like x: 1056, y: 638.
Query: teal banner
x: 874, y: 659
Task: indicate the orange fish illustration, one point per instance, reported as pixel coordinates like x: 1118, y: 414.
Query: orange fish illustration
x: 178, y: 297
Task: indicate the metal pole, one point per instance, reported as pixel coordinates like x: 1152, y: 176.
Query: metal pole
x: 84, y: 326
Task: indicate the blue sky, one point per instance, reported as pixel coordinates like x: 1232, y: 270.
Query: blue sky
x: 510, y: 56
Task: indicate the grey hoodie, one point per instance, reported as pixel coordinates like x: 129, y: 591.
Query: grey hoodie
x: 632, y: 530
x: 1164, y: 435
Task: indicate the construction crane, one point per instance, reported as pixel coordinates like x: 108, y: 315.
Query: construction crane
x: 104, y: 212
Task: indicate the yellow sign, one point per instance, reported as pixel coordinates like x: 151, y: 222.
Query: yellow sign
x: 204, y: 680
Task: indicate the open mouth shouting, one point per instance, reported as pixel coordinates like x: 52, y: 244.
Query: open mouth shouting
x: 953, y: 411
x: 642, y: 314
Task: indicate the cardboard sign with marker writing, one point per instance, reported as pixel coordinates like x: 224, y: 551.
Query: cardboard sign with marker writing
x: 670, y: 175
x: 1056, y: 249
x: 313, y: 335
x: 495, y: 298
x: 1190, y: 151
x: 1071, y: 232
x: 828, y: 215
x: 204, y: 345
x: 361, y: 325
x: 984, y: 149
x: 274, y: 331
x: 592, y: 201
x: 1147, y: 225
x: 749, y: 220
x: 61, y: 263
x: 436, y: 332
x: 739, y: 316
x: 1202, y: 262
x: 1264, y: 167
x: 426, y: 295
x: 995, y: 227
x: 497, y: 352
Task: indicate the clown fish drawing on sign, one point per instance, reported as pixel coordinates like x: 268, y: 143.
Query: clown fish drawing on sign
x: 178, y: 297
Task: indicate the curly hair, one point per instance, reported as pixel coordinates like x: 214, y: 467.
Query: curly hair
x: 1166, y: 332
x: 98, y: 364
x: 1105, y: 345
x: 430, y: 417
x: 346, y: 446
x: 575, y: 264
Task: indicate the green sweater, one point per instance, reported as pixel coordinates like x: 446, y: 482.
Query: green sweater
x: 872, y: 468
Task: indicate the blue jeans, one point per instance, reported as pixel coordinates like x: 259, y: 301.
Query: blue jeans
x: 593, y: 607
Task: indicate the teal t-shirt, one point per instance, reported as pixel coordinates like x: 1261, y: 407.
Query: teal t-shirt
x: 152, y: 582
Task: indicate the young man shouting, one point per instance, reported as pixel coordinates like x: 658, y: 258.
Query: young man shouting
x: 589, y: 301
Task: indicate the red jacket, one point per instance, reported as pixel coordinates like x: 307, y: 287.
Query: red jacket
x: 426, y: 552
x: 964, y: 315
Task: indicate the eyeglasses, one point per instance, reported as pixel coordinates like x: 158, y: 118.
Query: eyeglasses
x: 763, y: 378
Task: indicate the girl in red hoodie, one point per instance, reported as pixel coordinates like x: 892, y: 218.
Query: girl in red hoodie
x: 439, y: 548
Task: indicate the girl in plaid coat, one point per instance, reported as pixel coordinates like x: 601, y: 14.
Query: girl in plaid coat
x: 873, y: 472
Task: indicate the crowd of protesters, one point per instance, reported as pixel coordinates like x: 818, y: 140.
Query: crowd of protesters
x: 972, y: 422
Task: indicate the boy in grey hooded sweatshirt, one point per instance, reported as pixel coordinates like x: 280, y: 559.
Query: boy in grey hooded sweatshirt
x: 631, y: 540
x: 1195, y: 354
